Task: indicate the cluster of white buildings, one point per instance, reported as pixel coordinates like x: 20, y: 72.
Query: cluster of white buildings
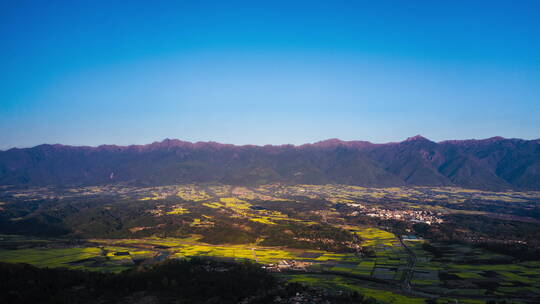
x: 420, y: 216
x: 287, y: 265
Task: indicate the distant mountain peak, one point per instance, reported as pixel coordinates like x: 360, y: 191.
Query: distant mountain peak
x: 495, y: 138
x: 333, y: 142
x: 329, y: 142
x: 417, y: 138
x: 167, y: 142
x: 490, y: 140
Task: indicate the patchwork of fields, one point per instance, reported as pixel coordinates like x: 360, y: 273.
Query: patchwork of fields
x: 372, y: 260
x: 338, y: 271
x: 454, y: 273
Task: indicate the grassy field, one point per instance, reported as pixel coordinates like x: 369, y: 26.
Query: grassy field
x: 90, y: 258
x: 49, y: 257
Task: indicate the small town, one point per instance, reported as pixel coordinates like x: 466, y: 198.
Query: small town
x: 420, y: 216
x: 285, y: 265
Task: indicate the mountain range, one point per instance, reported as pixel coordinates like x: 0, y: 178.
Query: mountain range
x: 492, y: 164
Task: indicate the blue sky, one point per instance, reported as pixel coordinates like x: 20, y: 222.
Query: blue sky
x: 267, y: 72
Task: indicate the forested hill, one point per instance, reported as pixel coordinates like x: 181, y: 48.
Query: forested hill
x: 174, y: 281
x: 495, y: 164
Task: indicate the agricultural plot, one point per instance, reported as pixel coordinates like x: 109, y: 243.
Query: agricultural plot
x: 49, y: 257
x: 462, y: 271
x: 191, y: 247
x: 456, y: 274
x: 449, y: 278
x: 382, y: 293
x: 178, y: 210
x: 143, y: 194
x: 202, y: 223
x: 387, y: 264
x: 413, y: 197
x: 338, y: 283
x: 321, y: 260
x: 90, y: 258
x: 261, y: 255
x: 235, y: 203
x: 213, y: 205
x: 390, y: 257
x: 242, y: 208
x: 154, y: 196
x: 220, y: 190
x: 192, y: 193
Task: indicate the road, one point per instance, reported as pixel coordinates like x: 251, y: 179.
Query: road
x: 409, y: 271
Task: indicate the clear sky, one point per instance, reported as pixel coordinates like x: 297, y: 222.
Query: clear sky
x: 267, y: 72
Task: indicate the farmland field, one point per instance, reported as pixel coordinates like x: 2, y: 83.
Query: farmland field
x: 337, y: 271
x: 390, y: 244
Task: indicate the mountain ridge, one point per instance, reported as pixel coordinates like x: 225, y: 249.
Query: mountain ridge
x: 494, y: 163
x: 325, y: 142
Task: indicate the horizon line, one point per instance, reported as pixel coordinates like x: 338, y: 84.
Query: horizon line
x: 324, y: 141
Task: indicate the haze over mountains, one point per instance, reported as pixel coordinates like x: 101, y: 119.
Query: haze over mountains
x: 493, y: 164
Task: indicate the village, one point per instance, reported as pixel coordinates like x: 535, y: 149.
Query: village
x: 285, y: 265
x: 419, y: 216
